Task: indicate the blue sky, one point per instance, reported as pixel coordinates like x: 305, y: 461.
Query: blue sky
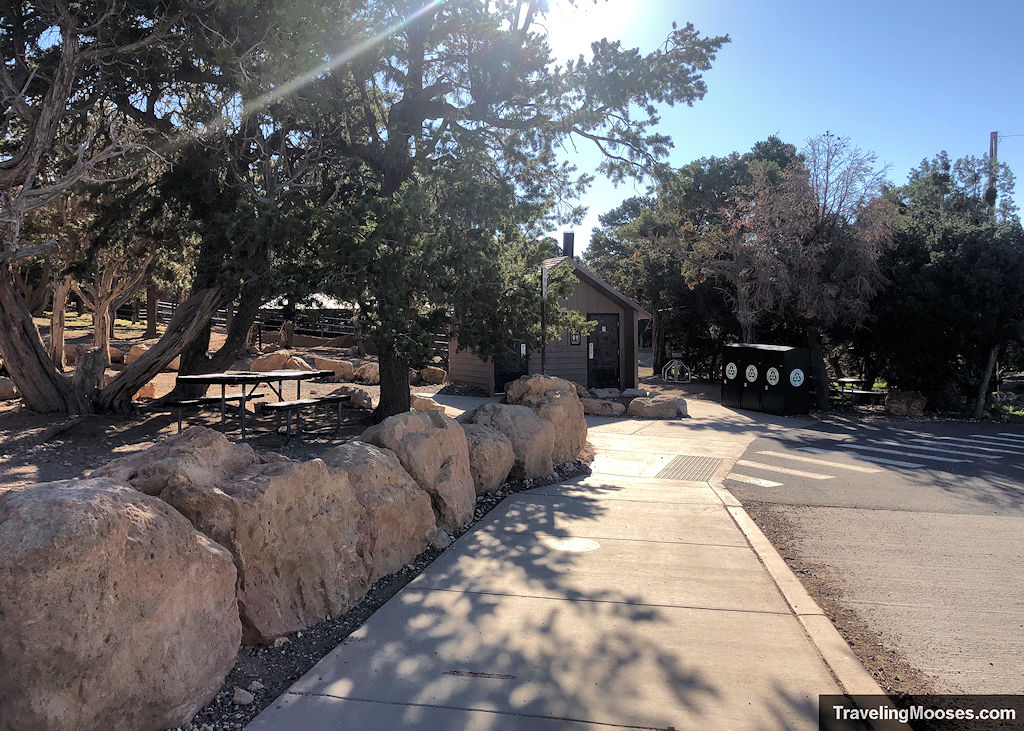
x: 902, y: 79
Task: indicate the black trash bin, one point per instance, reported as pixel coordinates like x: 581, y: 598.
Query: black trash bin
x: 769, y: 378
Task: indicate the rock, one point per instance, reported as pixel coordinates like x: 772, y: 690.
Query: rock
x: 684, y: 410
x: 360, y: 398
x: 280, y: 642
x: 342, y: 369
x: 146, y: 392
x: 72, y: 353
x: 490, y: 457
x: 1005, y: 398
x: 606, y: 393
x: 136, y: 352
x: 533, y: 438
x: 115, y: 356
x: 441, y: 541
x: 114, y: 611
x: 581, y: 391
x: 424, y: 403
x: 295, y: 363
x: 634, y: 393
x: 8, y: 391
x: 432, y: 448
x: 275, y: 361
x: 242, y: 697
x: 654, y: 407
x: 140, y: 349
x: 415, y: 379
x: 368, y: 373
x: 399, y: 521
x: 433, y: 375
x: 597, y: 407
x: 293, y: 529
x: 555, y: 400
x: 196, y: 457
x: 255, y: 687
x: 905, y: 404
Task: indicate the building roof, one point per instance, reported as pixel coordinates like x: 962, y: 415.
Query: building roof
x: 587, y: 276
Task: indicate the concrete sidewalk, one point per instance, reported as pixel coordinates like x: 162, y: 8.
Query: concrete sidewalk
x: 622, y: 599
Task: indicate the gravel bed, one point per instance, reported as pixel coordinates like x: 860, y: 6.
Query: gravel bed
x: 264, y: 672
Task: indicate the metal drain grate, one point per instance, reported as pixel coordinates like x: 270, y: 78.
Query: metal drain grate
x: 690, y: 467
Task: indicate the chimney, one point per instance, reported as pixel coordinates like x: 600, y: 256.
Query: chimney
x: 568, y: 237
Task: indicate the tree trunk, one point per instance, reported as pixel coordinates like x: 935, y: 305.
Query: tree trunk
x: 101, y: 327
x: 89, y: 372
x: 41, y: 387
x: 152, y: 300
x: 394, y: 383
x: 979, y: 404
x: 184, y: 327
x: 60, y: 305
x: 659, y: 348
x: 818, y: 366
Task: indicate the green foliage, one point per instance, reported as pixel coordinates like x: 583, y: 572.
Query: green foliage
x: 956, y: 282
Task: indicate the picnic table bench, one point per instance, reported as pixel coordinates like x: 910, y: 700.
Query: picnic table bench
x: 179, y: 405
x: 295, y: 407
x: 846, y: 389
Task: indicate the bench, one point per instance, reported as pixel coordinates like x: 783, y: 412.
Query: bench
x: 290, y: 407
x: 846, y: 395
x: 179, y: 405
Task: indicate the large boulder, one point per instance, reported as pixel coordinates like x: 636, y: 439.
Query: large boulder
x: 295, y: 363
x: 136, y: 352
x: 8, y: 391
x: 605, y: 393
x: 656, y: 407
x: 424, y: 403
x: 359, y: 398
x: 368, y: 373
x: 432, y: 448
x: 148, y: 391
x: 490, y: 457
x: 342, y: 369
x: 197, y: 456
x: 905, y: 404
x: 293, y: 529
x: 398, y: 520
x: 533, y: 438
x: 276, y: 361
x: 115, y: 355
x: 600, y: 407
x: 554, y: 400
x: 433, y: 375
x: 114, y: 611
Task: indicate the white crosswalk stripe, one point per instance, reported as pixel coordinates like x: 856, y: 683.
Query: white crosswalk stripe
x: 972, y: 443
x: 784, y: 470
x: 942, y: 450
x: 997, y: 440
x: 904, y: 453
x: 1011, y: 435
x: 753, y: 480
x: 823, y: 462
x: 864, y: 457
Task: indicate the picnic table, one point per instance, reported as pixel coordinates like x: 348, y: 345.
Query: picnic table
x: 847, y: 389
x: 250, y: 381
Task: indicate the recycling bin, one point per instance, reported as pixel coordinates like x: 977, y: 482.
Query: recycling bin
x: 768, y: 378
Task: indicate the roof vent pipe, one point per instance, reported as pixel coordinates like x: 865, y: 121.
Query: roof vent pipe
x: 568, y: 239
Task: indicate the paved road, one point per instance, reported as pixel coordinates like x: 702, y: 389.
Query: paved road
x: 921, y: 526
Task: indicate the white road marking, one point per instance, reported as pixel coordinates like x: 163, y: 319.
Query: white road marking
x: 904, y: 453
x: 972, y: 443
x: 1011, y: 435
x: 999, y: 441
x: 784, y: 470
x: 943, y: 450
x: 840, y: 465
x: 864, y: 457
x: 753, y: 480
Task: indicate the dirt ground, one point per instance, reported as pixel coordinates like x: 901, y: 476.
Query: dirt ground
x: 44, y: 448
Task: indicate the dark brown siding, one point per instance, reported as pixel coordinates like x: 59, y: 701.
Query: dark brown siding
x: 466, y: 368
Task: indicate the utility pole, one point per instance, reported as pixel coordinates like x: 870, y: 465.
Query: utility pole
x: 993, y: 170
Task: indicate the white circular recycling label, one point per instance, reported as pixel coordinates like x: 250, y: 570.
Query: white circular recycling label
x: 751, y: 373
x: 772, y: 376
x: 796, y: 377
x: 731, y: 370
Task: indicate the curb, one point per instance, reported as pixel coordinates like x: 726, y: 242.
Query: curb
x: 834, y: 650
